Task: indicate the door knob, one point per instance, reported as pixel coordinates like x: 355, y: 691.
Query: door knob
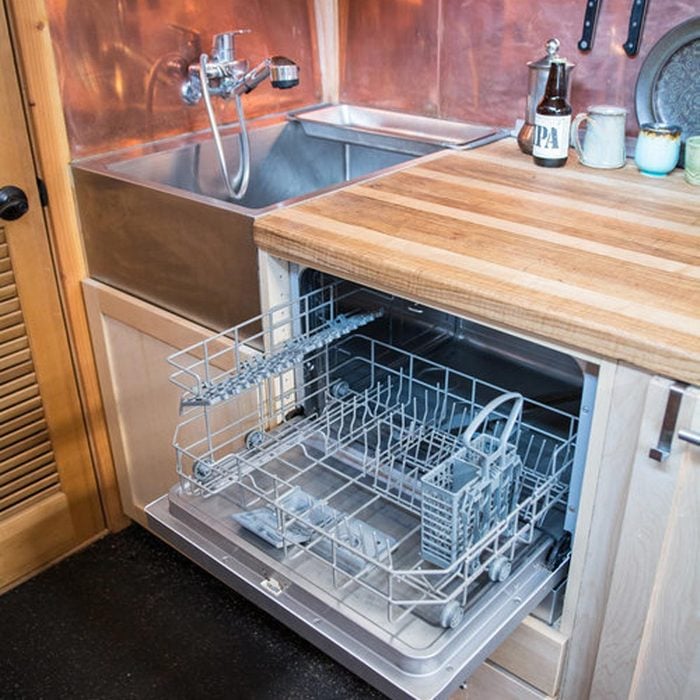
x: 13, y: 203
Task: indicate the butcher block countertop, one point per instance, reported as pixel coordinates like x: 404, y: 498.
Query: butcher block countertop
x: 605, y: 262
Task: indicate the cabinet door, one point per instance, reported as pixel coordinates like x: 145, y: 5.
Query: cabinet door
x: 650, y: 646
x: 132, y: 341
x: 49, y: 502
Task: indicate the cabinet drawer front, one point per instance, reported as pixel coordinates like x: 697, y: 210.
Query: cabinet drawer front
x: 534, y: 652
x: 490, y: 682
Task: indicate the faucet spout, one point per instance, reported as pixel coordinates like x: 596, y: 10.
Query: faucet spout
x: 282, y: 71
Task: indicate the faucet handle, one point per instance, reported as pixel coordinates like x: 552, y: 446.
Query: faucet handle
x: 224, y: 47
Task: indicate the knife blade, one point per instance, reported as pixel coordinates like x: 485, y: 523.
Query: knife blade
x: 634, y: 33
x: 590, y: 19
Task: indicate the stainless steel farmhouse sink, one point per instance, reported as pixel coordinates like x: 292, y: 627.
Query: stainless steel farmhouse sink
x: 157, y: 221
x: 286, y: 165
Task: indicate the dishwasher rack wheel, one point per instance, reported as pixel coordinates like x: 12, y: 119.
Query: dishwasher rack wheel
x: 340, y: 389
x: 254, y: 438
x: 452, y: 615
x: 202, y: 470
x: 499, y: 569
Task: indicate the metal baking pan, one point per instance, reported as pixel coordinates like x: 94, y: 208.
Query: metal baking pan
x: 379, y: 128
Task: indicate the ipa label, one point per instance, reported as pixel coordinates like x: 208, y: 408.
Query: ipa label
x: 551, y: 138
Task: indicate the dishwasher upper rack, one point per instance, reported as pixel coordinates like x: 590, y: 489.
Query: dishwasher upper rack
x: 230, y: 362
x: 401, y: 416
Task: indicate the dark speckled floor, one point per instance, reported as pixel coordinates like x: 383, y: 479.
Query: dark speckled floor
x: 130, y: 618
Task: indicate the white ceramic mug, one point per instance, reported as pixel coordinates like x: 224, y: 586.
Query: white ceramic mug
x: 604, y: 143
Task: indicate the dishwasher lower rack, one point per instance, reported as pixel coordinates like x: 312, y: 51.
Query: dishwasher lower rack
x: 323, y: 462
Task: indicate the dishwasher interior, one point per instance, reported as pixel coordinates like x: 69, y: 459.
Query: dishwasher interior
x: 398, y: 484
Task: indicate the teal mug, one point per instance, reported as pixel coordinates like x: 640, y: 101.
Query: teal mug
x: 658, y: 149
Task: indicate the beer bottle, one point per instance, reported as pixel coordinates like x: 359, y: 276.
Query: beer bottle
x: 550, y: 146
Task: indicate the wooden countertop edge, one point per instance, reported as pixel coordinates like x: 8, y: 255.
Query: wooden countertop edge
x: 476, y: 303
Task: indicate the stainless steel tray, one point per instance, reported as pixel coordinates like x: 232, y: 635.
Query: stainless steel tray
x: 379, y: 128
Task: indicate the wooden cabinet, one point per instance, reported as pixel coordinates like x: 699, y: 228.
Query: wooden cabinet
x: 132, y: 340
x: 650, y: 643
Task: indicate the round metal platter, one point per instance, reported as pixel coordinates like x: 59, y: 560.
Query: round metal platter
x: 668, y: 86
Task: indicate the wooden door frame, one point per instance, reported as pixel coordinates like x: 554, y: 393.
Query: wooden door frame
x: 29, y: 27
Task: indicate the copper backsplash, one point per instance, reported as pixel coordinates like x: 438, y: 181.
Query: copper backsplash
x: 108, y: 52
x: 462, y: 59
x: 465, y: 59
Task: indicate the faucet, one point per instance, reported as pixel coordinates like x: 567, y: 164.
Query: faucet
x: 227, y: 76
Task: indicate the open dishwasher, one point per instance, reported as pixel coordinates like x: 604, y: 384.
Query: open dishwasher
x: 397, y: 484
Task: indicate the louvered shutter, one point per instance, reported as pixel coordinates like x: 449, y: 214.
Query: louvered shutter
x: 27, y: 466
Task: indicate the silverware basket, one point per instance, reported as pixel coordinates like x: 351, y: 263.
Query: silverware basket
x: 474, y: 489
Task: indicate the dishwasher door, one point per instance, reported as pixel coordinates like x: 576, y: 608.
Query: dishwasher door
x: 401, y: 514
x: 327, y: 624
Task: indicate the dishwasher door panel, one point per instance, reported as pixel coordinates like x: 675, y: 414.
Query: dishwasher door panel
x: 326, y: 624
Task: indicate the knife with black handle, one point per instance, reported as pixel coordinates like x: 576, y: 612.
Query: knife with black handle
x: 634, y: 33
x: 590, y: 20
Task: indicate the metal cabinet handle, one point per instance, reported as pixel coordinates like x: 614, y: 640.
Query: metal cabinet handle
x: 668, y: 426
x: 689, y: 436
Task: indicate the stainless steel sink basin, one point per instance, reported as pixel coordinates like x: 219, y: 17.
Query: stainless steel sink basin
x: 156, y: 222
x: 286, y: 164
